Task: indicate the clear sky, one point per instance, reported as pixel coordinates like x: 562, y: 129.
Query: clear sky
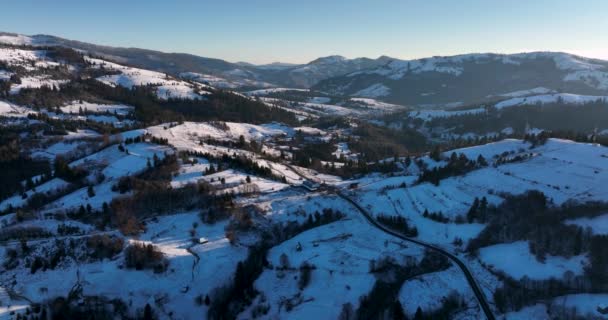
x: 263, y: 31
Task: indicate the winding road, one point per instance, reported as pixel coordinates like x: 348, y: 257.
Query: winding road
x: 481, y: 298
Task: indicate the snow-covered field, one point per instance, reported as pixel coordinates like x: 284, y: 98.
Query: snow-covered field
x: 233, y: 181
x: 376, y: 104
x: 36, y: 82
x: 59, y: 149
x: 112, y: 164
x: 264, y: 92
x: 521, y: 93
x: 47, y: 187
x: 202, y: 258
x: 585, y: 304
x: 232, y: 132
x: 556, y: 169
x: 20, y: 56
x: 76, y: 107
x: 224, y: 82
x: 574, y: 99
x: 428, y: 115
x: 186, y: 278
x: 427, y: 291
x: 8, y: 109
x: 537, y: 312
x: 598, y: 225
x: 516, y: 260
x: 341, y: 253
x: 166, y: 87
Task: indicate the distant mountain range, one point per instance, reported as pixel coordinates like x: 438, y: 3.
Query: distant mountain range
x: 465, y: 79
x: 452, y: 81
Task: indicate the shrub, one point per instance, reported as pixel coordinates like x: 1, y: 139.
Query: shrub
x: 305, y: 272
x: 104, y: 246
x: 141, y: 256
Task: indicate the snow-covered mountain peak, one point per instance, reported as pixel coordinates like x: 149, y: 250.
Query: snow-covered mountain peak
x: 329, y: 60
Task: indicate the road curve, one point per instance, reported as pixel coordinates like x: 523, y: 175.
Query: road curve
x: 481, y: 298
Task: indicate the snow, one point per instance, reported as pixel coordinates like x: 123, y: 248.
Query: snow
x: 411, y: 203
x: 8, y: 306
x: 585, y: 303
x: 215, y: 268
x: 373, y: 91
x: 397, y: 69
x: 567, y: 98
x: 537, y: 312
x: 110, y: 120
x: 489, y: 150
x: 556, y: 168
x: 113, y: 164
x: 179, y: 90
x: 311, y: 131
x: 103, y: 193
x: 5, y: 75
x: 598, y: 225
x: 8, y: 109
x: 129, y: 134
x: 190, y: 173
x: 82, y: 134
x: 166, y: 87
x: 234, y: 181
x: 507, y: 131
x: 48, y: 187
x: 129, y: 77
x: 76, y: 106
x: 234, y: 130
x: 343, y: 150
x: 593, y: 78
x: 528, y: 92
x: 59, y: 148
x: 224, y: 83
x: 428, y: 115
x: 375, y: 104
x: 16, y: 39
x: 516, y: 260
x: 264, y: 92
x: 326, y: 109
x: 341, y: 253
x: 428, y: 290
x: 354, y: 107
x: 20, y: 56
x: 51, y: 225
x: 319, y: 100
x: 237, y: 73
x: 212, y: 80
x: 36, y: 82
x: 594, y: 73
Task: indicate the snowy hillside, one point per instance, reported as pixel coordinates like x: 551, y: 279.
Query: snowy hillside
x: 166, y: 87
x: 145, y: 185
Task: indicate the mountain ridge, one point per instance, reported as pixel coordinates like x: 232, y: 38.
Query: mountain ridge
x: 448, y: 80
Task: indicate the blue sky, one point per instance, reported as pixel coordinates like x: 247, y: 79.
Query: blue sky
x: 262, y: 31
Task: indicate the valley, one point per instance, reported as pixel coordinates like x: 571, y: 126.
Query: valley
x: 146, y: 185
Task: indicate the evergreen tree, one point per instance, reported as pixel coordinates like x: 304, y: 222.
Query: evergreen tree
x: 472, y: 214
x: 148, y: 312
x: 90, y: 192
x: 436, y: 153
